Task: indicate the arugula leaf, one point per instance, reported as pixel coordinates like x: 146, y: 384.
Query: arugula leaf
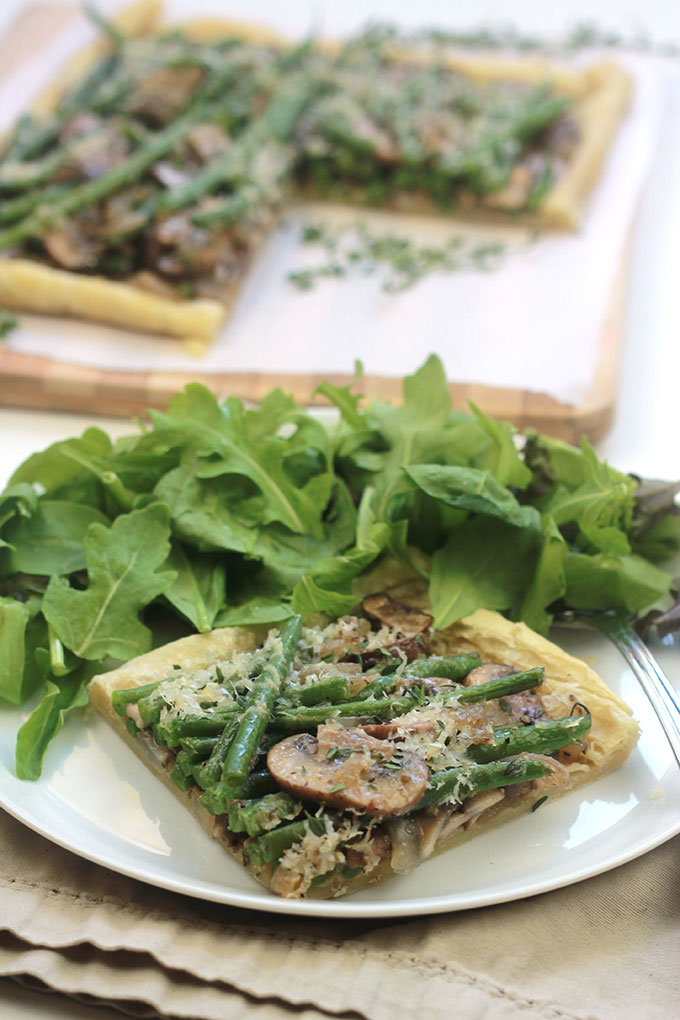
x: 656, y: 519
x: 501, y: 457
x: 548, y: 582
x: 199, y: 586
x: 17, y: 501
x: 63, y: 462
x: 327, y: 587
x: 255, y: 611
x: 660, y: 540
x: 232, y: 441
x: 602, y: 501
x: 122, y: 563
x: 484, y: 564
x: 61, y: 697
x: 626, y: 583
x: 346, y: 402
x: 417, y: 432
x: 50, y: 541
x: 475, y: 490
x: 203, y: 512
x: 22, y: 629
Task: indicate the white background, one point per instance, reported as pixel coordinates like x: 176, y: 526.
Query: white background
x: 645, y: 436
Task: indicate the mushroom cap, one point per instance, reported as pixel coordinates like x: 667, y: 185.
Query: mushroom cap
x: 384, y: 609
x: 347, y: 768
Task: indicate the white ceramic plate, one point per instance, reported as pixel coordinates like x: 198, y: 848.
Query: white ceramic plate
x: 96, y: 799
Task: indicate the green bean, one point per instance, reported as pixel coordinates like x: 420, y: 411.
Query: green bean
x: 121, y: 176
x: 450, y: 667
x: 200, y: 746
x: 185, y: 761
x: 269, y: 846
x: 300, y: 719
x: 181, y: 776
x: 465, y: 780
x: 259, y: 783
x: 150, y: 706
x: 384, y: 685
x: 170, y: 731
x: 24, y: 176
x: 326, y: 688
x: 211, y: 772
x: 263, y: 814
x: 30, y: 138
x: 541, y: 738
x: 257, y: 712
x: 23, y: 204
x: 131, y: 695
x: 501, y: 686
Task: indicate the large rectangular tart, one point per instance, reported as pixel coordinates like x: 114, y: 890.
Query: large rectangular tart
x: 141, y: 185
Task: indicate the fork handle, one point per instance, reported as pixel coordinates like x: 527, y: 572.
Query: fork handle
x: 656, y: 685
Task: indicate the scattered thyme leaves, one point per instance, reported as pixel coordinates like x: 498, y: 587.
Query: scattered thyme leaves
x: 400, y: 261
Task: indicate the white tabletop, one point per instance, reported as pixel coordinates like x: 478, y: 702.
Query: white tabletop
x: 644, y: 436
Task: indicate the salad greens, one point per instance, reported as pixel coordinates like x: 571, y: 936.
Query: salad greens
x: 213, y: 514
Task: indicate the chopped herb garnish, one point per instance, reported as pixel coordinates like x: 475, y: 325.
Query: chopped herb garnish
x: 402, y: 261
x: 340, y: 753
x: 337, y: 787
x: 536, y: 805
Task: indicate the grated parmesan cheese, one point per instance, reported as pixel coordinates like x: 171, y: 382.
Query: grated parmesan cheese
x: 313, y: 856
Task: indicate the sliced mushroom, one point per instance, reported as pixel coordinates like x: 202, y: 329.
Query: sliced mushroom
x: 562, y: 136
x: 521, y: 180
x: 349, y: 769
x: 180, y: 249
x: 415, y: 839
x: 208, y: 141
x: 409, y: 621
x: 431, y: 684
x: 524, y: 707
x: 486, y: 672
x: 163, y: 91
x: 473, y: 720
x: 71, y: 246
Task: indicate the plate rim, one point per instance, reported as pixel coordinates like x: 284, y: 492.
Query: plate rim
x: 413, y: 906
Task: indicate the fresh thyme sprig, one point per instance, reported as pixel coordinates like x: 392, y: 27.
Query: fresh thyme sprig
x: 401, y: 261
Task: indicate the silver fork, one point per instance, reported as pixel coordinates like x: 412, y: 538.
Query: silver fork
x: 654, y: 682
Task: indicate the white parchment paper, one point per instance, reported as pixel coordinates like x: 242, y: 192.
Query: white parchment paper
x: 534, y: 322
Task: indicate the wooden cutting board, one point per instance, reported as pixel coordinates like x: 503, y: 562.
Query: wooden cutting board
x: 34, y: 381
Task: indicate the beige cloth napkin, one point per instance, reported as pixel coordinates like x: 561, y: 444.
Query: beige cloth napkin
x: 606, y: 948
